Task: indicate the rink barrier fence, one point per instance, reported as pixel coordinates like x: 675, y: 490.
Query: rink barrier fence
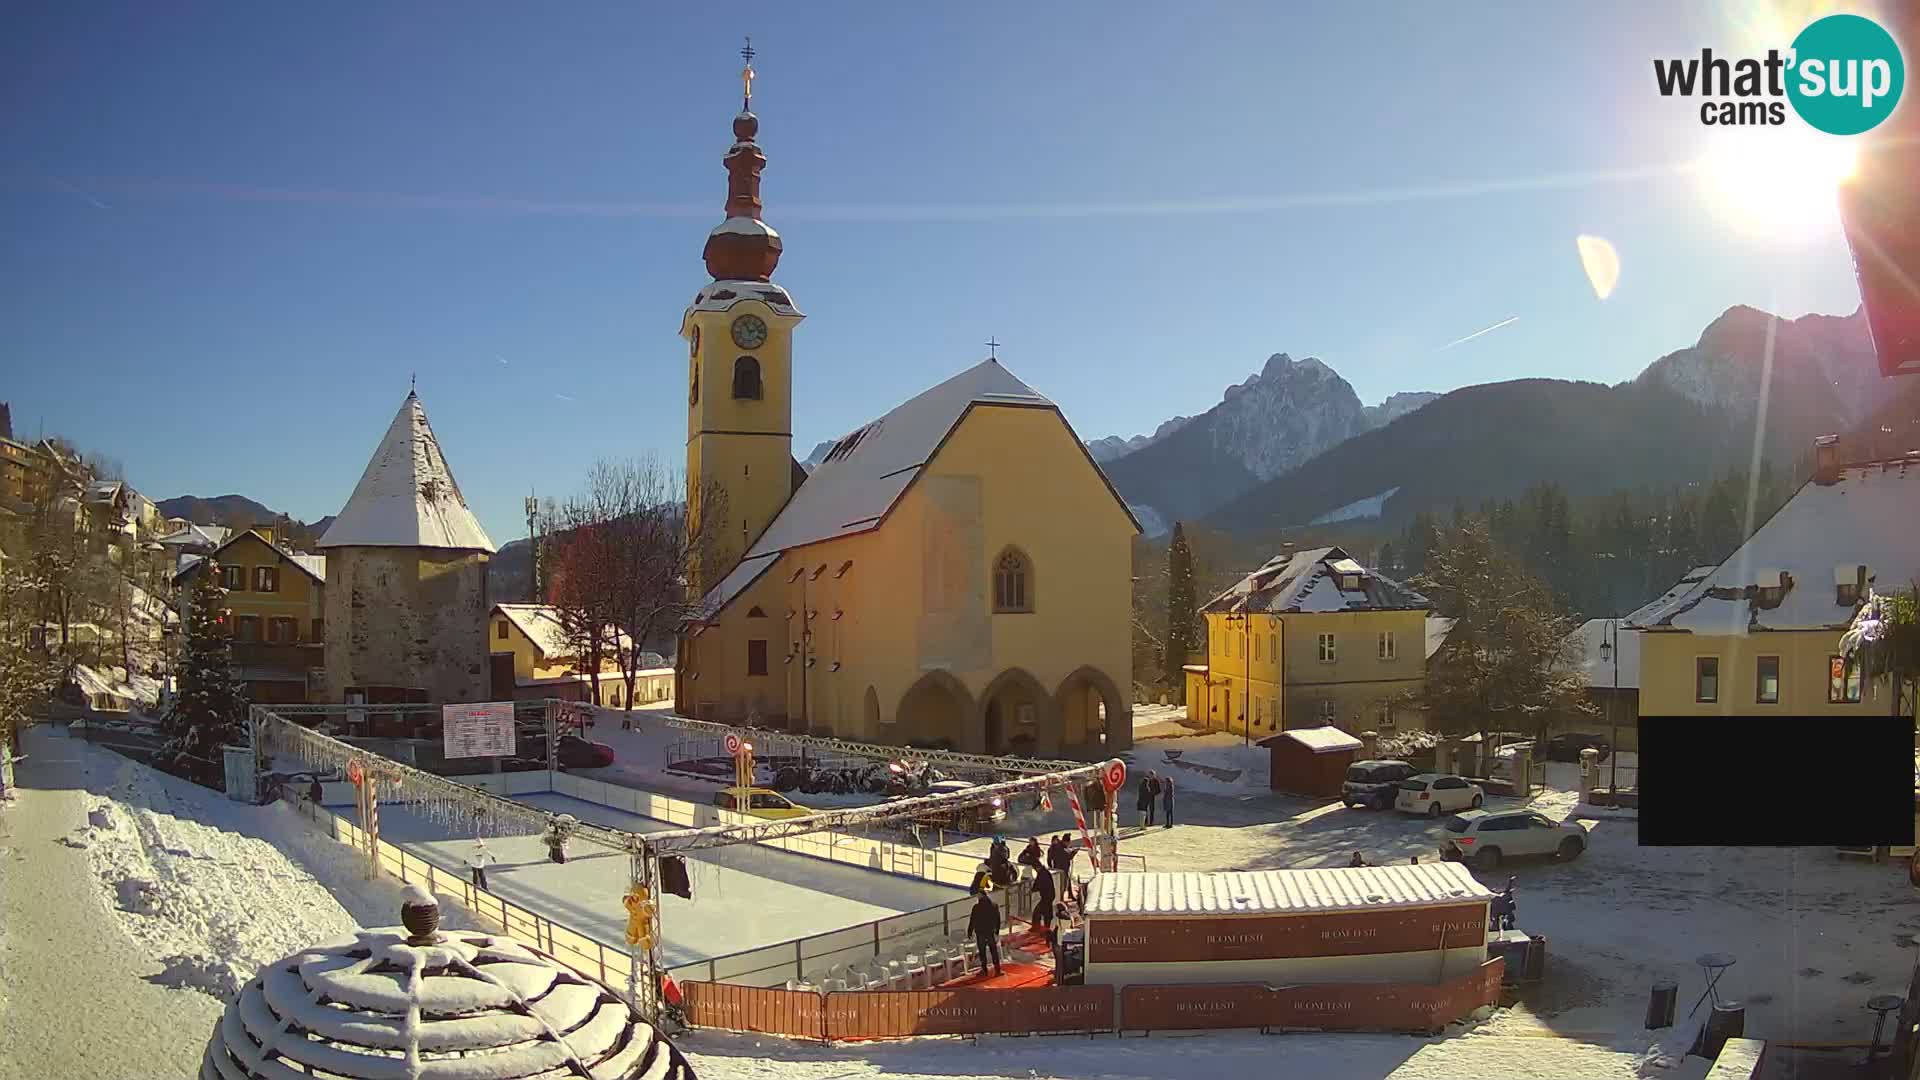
x: 767, y: 966
x: 852, y: 1015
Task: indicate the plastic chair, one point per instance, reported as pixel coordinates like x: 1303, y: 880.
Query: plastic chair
x: 897, y: 976
x: 918, y: 977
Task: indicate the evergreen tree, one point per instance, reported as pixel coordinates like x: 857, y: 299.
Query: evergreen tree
x: 1183, y: 636
x: 1385, y: 559
x: 206, y: 710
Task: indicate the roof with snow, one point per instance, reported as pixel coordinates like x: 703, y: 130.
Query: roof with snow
x: 1625, y: 656
x: 1320, y: 740
x: 408, y: 497
x: 1283, y: 892
x: 1643, y: 615
x: 721, y: 295
x: 314, y: 566
x: 1783, y: 577
x: 457, y: 1005
x: 1437, y: 630
x: 541, y: 624
x: 867, y: 471
x: 198, y: 536
x: 1309, y: 581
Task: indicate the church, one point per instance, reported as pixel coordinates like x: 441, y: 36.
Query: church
x: 955, y: 574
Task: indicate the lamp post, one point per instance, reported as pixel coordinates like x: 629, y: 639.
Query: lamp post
x: 1610, y: 651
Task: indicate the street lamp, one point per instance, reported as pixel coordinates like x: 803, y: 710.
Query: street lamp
x: 1610, y: 651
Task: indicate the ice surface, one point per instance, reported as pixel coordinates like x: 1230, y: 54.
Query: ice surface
x: 743, y: 897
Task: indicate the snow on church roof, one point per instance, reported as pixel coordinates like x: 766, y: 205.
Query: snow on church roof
x: 408, y: 497
x: 866, y: 471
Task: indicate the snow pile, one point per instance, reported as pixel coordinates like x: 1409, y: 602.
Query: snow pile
x: 1216, y: 763
x: 1405, y: 744
x: 207, y: 886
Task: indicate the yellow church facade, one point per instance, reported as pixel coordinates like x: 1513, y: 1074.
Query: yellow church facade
x: 955, y: 573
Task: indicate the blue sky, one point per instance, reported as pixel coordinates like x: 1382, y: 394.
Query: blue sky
x: 233, y: 231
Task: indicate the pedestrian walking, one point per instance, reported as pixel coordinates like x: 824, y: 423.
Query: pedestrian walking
x: 984, y: 924
x: 1149, y: 794
x: 1166, y: 799
x: 314, y: 794
x: 477, y: 861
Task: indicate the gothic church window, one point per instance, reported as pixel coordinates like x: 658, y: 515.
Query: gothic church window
x: 1012, y: 582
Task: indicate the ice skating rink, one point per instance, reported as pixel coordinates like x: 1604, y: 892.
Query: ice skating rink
x: 744, y: 897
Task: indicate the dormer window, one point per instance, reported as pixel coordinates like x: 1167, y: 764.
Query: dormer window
x: 1850, y: 584
x: 1770, y: 587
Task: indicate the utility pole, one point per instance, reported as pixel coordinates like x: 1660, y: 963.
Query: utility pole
x: 533, y: 546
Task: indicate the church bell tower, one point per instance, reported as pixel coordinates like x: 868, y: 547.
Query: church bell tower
x: 739, y: 334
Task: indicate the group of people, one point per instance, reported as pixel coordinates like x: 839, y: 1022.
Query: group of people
x: 1155, y: 789
x: 1051, y: 909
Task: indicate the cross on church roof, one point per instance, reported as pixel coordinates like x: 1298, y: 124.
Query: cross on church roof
x: 993, y: 349
x: 746, y: 76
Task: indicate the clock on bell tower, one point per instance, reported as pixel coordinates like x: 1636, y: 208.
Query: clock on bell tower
x: 739, y: 334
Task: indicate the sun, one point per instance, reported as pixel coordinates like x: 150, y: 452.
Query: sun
x: 1776, y: 180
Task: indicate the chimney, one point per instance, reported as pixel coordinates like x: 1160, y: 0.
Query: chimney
x: 1826, y: 459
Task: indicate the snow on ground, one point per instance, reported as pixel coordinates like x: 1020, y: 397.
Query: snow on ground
x: 744, y: 897
x: 214, y: 889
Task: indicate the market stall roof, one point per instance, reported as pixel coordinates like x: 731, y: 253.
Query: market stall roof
x: 1283, y: 892
x: 1320, y: 740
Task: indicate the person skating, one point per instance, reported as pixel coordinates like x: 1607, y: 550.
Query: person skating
x: 1149, y: 794
x: 477, y: 861
x: 984, y: 924
x: 1358, y: 860
x: 1166, y: 799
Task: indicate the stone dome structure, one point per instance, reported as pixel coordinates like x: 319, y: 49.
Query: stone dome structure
x: 414, y: 1003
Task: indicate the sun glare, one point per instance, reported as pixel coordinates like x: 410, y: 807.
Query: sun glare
x: 1776, y: 180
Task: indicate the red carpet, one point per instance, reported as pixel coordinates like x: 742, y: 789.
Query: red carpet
x: 1015, y: 976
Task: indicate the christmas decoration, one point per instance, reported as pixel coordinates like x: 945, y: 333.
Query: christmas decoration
x: 206, y: 712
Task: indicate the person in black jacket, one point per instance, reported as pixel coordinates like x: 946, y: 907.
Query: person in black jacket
x: 1149, y: 794
x: 1031, y: 856
x: 1045, y: 896
x: 984, y: 924
x: 1058, y: 853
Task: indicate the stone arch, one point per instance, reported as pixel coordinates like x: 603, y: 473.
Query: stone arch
x: 1016, y: 717
x: 934, y: 709
x: 1083, y: 696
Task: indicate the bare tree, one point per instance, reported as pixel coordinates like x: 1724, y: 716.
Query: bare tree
x: 578, y: 585
x: 632, y: 525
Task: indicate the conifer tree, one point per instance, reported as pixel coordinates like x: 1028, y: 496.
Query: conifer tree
x: 1182, y: 636
x: 206, y: 710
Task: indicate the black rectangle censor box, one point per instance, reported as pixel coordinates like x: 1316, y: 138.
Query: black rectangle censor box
x: 1770, y: 781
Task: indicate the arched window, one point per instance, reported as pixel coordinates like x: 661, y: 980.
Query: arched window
x: 1012, y: 581
x: 754, y: 612
x: 746, y: 379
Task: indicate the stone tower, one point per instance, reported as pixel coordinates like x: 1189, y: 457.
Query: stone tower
x: 739, y: 332
x: 406, y: 607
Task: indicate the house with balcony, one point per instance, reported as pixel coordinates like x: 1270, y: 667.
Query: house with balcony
x: 275, y: 605
x: 1761, y: 633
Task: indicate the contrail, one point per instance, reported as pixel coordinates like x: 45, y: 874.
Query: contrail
x: 1508, y: 321
x: 82, y: 194
x: 956, y: 212
x: 563, y: 397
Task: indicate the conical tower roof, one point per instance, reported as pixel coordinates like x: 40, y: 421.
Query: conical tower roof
x: 408, y: 497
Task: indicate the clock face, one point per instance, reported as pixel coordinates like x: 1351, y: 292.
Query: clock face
x: 749, y: 332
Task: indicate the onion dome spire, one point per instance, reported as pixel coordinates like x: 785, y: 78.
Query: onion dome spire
x: 743, y: 248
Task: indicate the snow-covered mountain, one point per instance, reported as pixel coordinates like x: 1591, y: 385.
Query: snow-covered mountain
x: 1285, y: 414
x: 1113, y: 446
x: 819, y: 455
x: 1822, y: 366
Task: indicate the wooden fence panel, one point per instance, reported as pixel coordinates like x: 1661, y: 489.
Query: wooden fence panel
x: 1324, y: 1006
x: 794, y: 1013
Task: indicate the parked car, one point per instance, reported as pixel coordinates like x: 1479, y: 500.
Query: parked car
x: 1374, y: 783
x: 1484, y: 837
x: 579, y: 753
x: 1567, y: 747
x: 1434, y: 794
x: 977, y: 818
x: 760, y: 803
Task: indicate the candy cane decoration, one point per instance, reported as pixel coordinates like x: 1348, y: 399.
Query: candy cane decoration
x: 1080, y: 819
x: 373, y: 829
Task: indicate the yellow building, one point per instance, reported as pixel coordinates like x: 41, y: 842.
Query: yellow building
x: 1311, y: 638
x: 532, y: 658
x: 1761, y: 633
x: 275, y: 604
x: 954, y: 573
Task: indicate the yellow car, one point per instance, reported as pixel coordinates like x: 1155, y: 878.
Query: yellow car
x: 759, y: 802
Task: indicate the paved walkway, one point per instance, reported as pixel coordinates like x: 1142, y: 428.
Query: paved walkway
x: 74, y: 995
